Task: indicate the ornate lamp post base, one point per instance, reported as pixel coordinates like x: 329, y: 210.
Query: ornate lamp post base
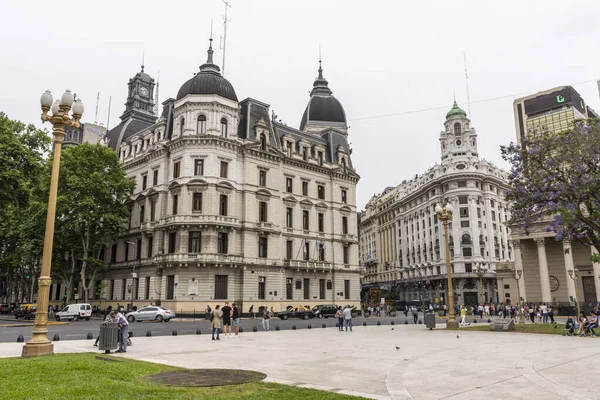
x: 452, y: 324
x: 35, y: 350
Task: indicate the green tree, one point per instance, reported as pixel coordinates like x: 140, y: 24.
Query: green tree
x: 555, y: 177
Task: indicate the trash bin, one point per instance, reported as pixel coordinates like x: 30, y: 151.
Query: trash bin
x: 430, y: 320
x: 109, y: 337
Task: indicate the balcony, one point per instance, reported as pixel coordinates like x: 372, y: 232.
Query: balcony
x: 198, y: 258
x: 201, y: 219
x: 308, y: 265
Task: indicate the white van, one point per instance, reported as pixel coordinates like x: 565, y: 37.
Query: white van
x: 75, y: 312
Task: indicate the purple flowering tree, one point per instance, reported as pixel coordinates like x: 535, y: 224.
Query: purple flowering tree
x: 555, y: 177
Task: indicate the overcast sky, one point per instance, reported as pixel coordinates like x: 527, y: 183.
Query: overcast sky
x: 383, y: 60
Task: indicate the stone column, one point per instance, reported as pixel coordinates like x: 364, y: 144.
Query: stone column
x: 569, y: 265
x: 519, y: 266
x: 596, y: 274
x: 544, y: 275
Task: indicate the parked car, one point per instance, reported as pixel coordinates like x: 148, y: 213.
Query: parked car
x: 296, y: 312
x: 151, y: 313
x: 26, y: 311
x: 324, y: 310
x: 75, y: 312
x: 4, y: 308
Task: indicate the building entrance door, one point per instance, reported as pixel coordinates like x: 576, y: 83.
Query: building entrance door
x: 589, y: 289
x: 471, y: 298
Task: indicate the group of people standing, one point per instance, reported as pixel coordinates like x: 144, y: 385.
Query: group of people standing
x: 344, y: 317
x: 230, y: 316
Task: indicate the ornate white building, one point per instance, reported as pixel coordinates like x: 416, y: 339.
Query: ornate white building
x: 402, y: 244
x: 231, y: 205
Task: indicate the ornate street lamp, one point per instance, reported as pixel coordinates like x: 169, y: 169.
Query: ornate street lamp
x: 518, y: 276
x: 573, y: 275
x: 444, y: 214
x: 133, y: 278
x: 39, y: 344
x: 480, y: 272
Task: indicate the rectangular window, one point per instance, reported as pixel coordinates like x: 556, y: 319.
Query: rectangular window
x: 170, y: 287
x: 492, y: 203
x: 347, y: 289
x: 142, y: 213
x: 155, y: 177
x: 262, y: 177
x: 462, y: 184
x: 172, y: 242
x: 126, y: 251
x: 463, y: 199
x: 195, y: 242
x: 288, y: 185
x: 262, y: 286
x: 223, y: 243
x: 289, y: 217
x: 464, y: 212
x: 123, y: 288
x: 464, y: 224
x: 262, y: 211
x: 298, y: 284
x: 262, y: 247
x: 320, y: 155
x: 305, y: 220
x: 224, y: 167
x: 344, y: 196
x: 112, y: 290
x: 144, y: 182
x: 321, y: 251
x: 176, y: 169
x: 345, y: 225
x: 306, y: 251
x: 221, y: 287
x: 321, y: 218
x: 307, y: 288
x: 175, y: 201
x: 289, y: 249
x: 289, y: 289
x: 152, y: 210
x: 138, y: 249
x: 329, y: 285
x: 199, y: 167
x: 346, y: 255
x: 223, y: 204
x: 322, y: 289
x: 197, y: 202
x: 304, y: 153
x: 113, y: 253
x: 478, y: 212
x: 467, y: 252
x: 493, y: 215
x: 304, y: 188
x: 147, y: 288
x: 321, y: 192
x: 150, y: 250
x: 468, y: 267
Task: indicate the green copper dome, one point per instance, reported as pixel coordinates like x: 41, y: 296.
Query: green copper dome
x: 456, y: 112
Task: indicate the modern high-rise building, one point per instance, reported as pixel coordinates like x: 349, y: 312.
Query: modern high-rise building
x: 552, y: 110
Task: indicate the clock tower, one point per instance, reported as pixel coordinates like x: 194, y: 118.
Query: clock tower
x: 140, y: 98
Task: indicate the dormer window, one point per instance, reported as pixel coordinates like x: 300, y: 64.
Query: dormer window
x: 304, y: 153
x: 263, y: 141
x: 201, y: 129
x: 457, y: 128
x: 223, y: 127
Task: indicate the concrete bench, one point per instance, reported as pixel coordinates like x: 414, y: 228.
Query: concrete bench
x: 501, y: 325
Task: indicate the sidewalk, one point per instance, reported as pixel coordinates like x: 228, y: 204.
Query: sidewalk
x: 429, y: 364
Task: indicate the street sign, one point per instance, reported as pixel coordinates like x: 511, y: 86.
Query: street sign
x: 76, y: 296
x: 382, y: 301
x: 437, y: 300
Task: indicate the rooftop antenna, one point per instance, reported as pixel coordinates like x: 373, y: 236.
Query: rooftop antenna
x: 143, y: 56
x: 97, y: 101
x: 224, y: 37
x: 467, y: 84
x: 156, y: 94
x: 108, y: 118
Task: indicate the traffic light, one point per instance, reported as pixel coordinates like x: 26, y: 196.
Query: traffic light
x: 27, y: 276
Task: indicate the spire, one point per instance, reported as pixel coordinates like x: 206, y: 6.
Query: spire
x: 320, y: 68
x: 210, y: 52
x: 320, y: 84
x: 210, y: 66
x: 143, y: 56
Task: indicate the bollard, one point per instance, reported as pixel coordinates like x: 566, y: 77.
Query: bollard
x: 130, y: 334
x: 194, y: 315
x: 420, y: 322
x: 90, y: 336
x: 254, y: 329
x: 174, y: 332
x: 474, y: 321
x: 198, y: 332
x: 181, y: 313
x: 489, y: 321
x: 56, y: 338
x: 277, y: 328
x: 309, y: 327
x: 148, y: 334
x: 241, y: 330
x: 364, y: 323
x: 405, y: 322
x: 392, y: 323
x: 324, y: 326
x: 293, y: 327
x: 337, y: 325
x: 20, y: 338
x: 378, y: 323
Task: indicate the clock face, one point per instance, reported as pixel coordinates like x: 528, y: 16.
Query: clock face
x: 143, y: 91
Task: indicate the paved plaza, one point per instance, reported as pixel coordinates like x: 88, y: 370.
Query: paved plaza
x: 429, y: 364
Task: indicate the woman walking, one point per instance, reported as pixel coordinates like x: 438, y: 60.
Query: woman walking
x: 340, y: 317
x: 215, y: 320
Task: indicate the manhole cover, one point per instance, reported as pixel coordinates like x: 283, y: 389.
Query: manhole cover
x: 208, y: 377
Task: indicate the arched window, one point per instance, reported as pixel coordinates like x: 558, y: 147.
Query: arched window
x: 481, y: 241
x: 223, y: 127
x: 466, y: 238
x: 201, y: 128
x: 451, y: 241
x: 182, y: 126
x: 457, y: 129
x: 263, y: 141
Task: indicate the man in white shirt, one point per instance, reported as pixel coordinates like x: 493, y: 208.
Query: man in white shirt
x: 348, y: 317
x: 121, y: 321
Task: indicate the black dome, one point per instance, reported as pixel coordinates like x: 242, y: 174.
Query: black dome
x: 207, y: 83
x: 327, y: 109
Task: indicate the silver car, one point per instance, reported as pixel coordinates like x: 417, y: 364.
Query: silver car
x: 151, y: 313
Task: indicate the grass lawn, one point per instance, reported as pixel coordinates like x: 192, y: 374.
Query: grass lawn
x: 72, y: 376
x: 557, y: 329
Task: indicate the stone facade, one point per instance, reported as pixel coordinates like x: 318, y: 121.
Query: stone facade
x: 402, y: 247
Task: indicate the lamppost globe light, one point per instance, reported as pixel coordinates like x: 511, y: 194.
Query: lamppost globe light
x: 56, y: 107
x: 78, y: 108
x: 438, y: 208
x: 46, y: 99
x: 448, y: 208
x: 67, y: 98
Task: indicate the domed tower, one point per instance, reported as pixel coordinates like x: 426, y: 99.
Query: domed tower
x: 205, y: 90
x: 323, y: 109
x: 458, y: 141
x: 140, y: 98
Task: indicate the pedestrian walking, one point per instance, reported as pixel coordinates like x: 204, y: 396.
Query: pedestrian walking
x: 215, y: 320
x: 445, y: 310
x: 207, y: 312
x: 348, y: 317
x: 235, y: 316
x: 123, y: 325
x: 340, y: 317
x: 226, y: 311
x: 266, y: 318
x: 414, y: 312
x: 463, y: 315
